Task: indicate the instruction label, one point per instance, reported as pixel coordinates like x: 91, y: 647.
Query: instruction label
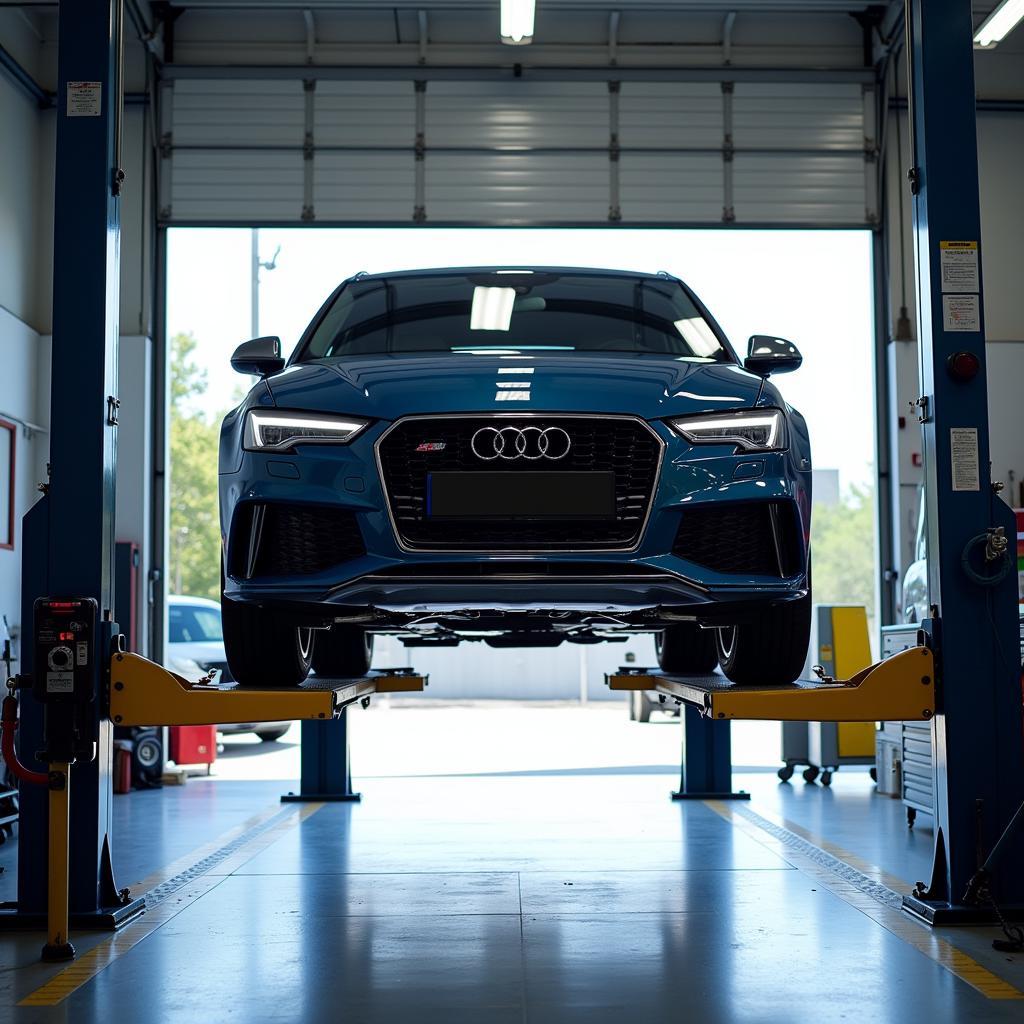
x: 963, y: 447
x: 959, y: 266
x: 60, y: 682
x: 84, y: 99
x: 961, y: 313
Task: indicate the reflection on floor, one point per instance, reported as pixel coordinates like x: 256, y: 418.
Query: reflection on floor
x: 504, y: 898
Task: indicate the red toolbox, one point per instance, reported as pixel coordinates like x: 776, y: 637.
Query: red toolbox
x: 194, y: 744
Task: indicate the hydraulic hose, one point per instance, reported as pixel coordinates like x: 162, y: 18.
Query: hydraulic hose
x: 9, y: 724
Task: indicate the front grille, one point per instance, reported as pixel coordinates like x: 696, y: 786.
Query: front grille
x: 515, y: 570
x: 757, y: 539
x: 293, y: 540
x: 624, y: 446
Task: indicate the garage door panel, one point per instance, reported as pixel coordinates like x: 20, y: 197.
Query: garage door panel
x: 238, y: 113
x: 369, y: 187
x: 656, y: 187
x: 783, y: 116
x: 364, y: 114
x: 784, y: 188
x: 506, y: 187
x: 226, y: 187
x: 538, y: 114
x: 667, y: 114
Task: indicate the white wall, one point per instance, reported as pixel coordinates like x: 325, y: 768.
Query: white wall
x: 1000, y: 158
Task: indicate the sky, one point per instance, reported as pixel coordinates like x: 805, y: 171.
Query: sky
x: 812, y: 287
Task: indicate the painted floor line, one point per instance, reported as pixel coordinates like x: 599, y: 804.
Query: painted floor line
x: 868, y: 895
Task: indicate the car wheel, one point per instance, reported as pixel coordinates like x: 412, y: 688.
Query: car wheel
x: 261, y: 649
x: 769, y: 651
x: 343, y: 652
x: 686, y: 649
x: 271, y: 735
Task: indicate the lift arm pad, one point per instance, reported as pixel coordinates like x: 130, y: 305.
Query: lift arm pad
x: 143, y: 693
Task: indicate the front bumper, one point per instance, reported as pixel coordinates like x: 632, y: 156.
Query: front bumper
x: 387, y: 577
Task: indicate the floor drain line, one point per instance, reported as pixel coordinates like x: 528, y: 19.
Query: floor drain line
x: 160, y: 892
x: 867, y: 885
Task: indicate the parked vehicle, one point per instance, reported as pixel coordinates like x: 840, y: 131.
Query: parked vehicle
x: 195, y: 646
x: 521, y: 457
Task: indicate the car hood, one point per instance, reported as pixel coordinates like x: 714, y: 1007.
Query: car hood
x: 202, y: 652
x: 386, y: 387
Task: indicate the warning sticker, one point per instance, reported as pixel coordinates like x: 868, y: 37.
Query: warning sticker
x: 84, y: 99
x: 60, y: 682
x: 963, y: 447
x: 961, y: 313
x: 959, y: 266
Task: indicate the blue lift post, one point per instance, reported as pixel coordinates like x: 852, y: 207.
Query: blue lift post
x: 706, y: 769
x: 69, y: 533
x: 325, y: 770
x: 976, y: 733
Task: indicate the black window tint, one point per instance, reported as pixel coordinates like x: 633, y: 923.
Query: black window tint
x: 559, y: 312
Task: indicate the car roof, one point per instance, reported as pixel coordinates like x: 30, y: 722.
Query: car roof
x: 195, y: 602
x: 660, y: 275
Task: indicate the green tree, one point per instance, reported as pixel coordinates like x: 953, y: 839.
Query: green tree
x: 843, y: 542
x: 195, y: 521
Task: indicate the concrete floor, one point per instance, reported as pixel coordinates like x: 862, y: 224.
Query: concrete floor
x: 526, y: 895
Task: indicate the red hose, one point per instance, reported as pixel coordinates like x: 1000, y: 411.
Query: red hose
x: 9, y: 724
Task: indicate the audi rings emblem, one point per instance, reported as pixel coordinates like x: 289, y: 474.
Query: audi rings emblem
x: 510, y: 443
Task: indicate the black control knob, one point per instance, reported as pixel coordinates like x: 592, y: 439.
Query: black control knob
x: 61, y: 659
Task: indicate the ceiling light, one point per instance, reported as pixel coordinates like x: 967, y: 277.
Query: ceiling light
x: 492, y: 309
x: 997, y: 26
x: 517, y: 21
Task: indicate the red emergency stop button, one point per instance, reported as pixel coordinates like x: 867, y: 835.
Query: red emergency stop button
x: 963, y: 366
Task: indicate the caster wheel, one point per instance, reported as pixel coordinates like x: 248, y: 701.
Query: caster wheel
x: 785, y: 773
x: 826, y: 778
x: 911, y: 816
x: 873, y: 772
x: 810, y: 774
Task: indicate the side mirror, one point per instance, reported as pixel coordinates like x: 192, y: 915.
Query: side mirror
x: 261, y: 356
x: 767, y: 355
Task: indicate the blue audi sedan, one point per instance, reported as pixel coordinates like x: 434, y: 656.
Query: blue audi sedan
x: 522, y: 457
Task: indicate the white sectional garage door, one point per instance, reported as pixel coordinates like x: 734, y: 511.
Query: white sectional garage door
x: 770, y: 153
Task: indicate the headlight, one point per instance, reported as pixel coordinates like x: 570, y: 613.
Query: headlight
x: 761, y: 430
x: 271, y: 431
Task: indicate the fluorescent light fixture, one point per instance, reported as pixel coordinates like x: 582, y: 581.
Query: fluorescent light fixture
x: 1000, y: 23
x: 492, y: 309
x: 517, y: 18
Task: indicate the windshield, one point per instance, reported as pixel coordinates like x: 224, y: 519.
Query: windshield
x: 191, y: 623
x: 514, y: 311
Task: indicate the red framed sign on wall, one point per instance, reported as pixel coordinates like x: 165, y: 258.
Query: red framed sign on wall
x: 8, y: 448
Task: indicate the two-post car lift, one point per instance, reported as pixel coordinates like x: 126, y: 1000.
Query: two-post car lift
x: 964, y: 675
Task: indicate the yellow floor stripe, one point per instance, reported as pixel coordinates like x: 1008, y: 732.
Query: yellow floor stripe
x: 921, y: 938
x: 97, y: 959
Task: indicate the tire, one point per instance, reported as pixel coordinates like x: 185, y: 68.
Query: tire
x: 343, y: 652
x: 261, y: 649
x: 771, y: 650
x: 270, y: 735
x: 686, y: 649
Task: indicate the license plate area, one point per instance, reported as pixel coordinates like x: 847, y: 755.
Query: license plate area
x: 521, y: 495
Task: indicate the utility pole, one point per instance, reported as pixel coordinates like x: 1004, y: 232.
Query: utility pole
x: 257, y: 265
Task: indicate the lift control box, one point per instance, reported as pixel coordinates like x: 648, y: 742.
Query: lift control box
x: 64, y: 670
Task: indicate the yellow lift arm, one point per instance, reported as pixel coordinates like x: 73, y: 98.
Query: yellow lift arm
x: 143, y: 693
x: 901, y: 688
